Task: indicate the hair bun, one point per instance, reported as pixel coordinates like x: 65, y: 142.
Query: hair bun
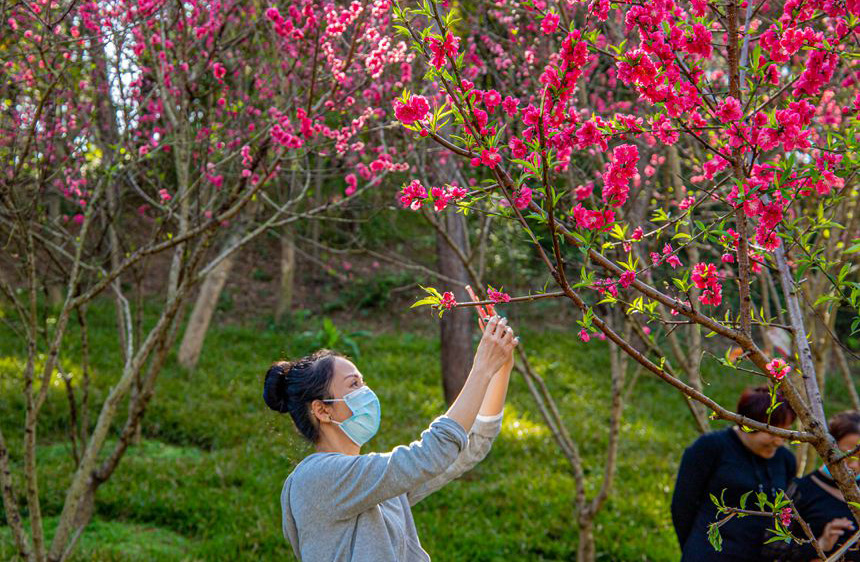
x: 275, y: 387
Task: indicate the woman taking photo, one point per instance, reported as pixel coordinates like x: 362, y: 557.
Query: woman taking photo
x: 820, y: 503
x: 736, y: 462
x: 341, y: 505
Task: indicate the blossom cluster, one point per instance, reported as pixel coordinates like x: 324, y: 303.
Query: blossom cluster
x: 705, y: 277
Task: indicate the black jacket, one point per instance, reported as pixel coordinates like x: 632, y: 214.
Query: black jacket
x: 720, y: 461
x: 817, y: 507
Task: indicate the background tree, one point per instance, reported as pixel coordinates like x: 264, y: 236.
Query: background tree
x: 758, y: 133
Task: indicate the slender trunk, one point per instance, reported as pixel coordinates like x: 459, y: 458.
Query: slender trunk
x: 586, y: 551
x: 317, y: 198
x: 10, y: 503
x: 845, y: 369
x: 456, y: 326
x: 288, y: 271
x: 55, y: 289
x: 201, y: 314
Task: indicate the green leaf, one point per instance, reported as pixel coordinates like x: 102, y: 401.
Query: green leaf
x: 744, y: 499
x: 423, y: 302
x: 777, y: 538
x: 714, y: 537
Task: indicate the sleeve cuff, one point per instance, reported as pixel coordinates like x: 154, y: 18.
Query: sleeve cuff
x: 497, y: 417
x: 453, y: 429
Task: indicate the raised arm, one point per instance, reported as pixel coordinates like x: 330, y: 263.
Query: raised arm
x: 482, y: 390
x: 486, y: 428
x: 494, y: 399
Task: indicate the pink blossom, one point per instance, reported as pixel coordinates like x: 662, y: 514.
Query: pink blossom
x: 627, y: 278
x: 490, y: 157
x: 511, y: 106
x: 549, y: 23
x: 674, y: 261
x: 705, y: 277
x: 618, y: 174
x: 518, y: 148
x: 413, y: 195
x: 583, y: 335
x: 671, y: 258
x: 351, y: 184
x: 636, y: 68
x: 637, y: 234
x: 165, y: 196
x: 729, y: 110
x: 522, y: 198
x: 785, y: 516
x: 592, y: 220
x: 583, y: 192
x: 713, y: 295
x: 704, y: 274
x: 415, y: 109
x: 605, y: 285
x: 218, y: 70
x: 492, y: 99
x: 686, y: 203
x: 588, y: 134
x: 818, y: 71
x: 497, y: 296
x: 448, y: 300
x: 440, y: 49
x: 778, y: 368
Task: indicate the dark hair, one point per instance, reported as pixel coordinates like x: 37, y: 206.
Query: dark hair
x: 291, y: 386
x: 844, y: 423
x: 755, y: 401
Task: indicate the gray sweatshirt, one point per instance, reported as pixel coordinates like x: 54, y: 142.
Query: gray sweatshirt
x: 356, y: 508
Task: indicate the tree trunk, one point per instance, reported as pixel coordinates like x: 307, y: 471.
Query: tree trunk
x: 845, y: 369
x: 586, y: 550
x: 201, y: 314
x: 55, y: 289
x: 288, y: 271
x: 455, y: 329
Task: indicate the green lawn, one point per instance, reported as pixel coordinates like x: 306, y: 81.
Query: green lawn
x: 205, y: 483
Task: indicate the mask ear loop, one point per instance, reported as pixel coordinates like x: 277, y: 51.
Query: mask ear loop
x: 337, y: 423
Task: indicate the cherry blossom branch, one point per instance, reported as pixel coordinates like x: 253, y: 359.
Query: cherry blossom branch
x: 527, y: 298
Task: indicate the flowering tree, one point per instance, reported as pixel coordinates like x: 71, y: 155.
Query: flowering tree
x: 570, y: 112
x: 134, y: 130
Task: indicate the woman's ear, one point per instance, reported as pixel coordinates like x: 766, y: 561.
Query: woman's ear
x: 321, y: 411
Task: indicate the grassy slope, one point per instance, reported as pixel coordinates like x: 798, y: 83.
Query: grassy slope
x: 205, y: 483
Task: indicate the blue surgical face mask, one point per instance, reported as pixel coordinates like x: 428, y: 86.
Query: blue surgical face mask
x: 363, y: 424
x: 826, y: 472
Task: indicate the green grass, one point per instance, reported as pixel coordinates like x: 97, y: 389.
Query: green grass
x: 205, y: 482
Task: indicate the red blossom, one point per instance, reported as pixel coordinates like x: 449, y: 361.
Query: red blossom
x: 549, y: 23
x: 415, y: 109
x: 778, y: 368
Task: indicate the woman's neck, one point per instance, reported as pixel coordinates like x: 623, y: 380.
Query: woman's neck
x: 747, y: 442
x: 337, y: 443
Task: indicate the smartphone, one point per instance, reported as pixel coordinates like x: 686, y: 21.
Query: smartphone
x: 483, y: 314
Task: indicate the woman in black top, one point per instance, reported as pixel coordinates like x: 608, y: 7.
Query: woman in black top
x: 737, y: 462
x: 820, y: 503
